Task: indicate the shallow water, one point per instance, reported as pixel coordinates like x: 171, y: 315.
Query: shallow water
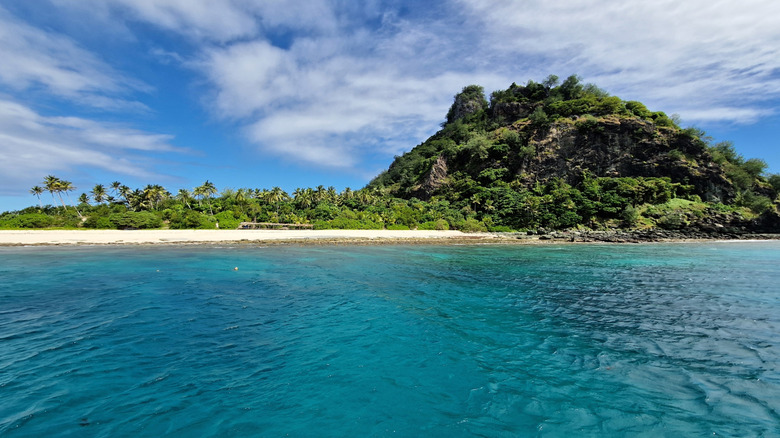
x: 498, y: 341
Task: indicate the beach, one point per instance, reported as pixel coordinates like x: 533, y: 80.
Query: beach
x: 320, y: 237
x: 140, y: 237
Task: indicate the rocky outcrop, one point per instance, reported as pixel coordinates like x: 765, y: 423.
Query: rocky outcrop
x: 467, y: 102
x: 624, y: 147
x: 434, y: 179
x: 511, y: 111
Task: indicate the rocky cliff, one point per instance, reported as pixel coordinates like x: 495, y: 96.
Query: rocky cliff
x: 539, y: 140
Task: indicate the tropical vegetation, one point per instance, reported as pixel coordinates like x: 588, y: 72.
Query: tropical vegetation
x: 550, y: 154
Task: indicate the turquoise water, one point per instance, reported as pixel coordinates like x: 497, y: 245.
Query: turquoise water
x: 494, y: 341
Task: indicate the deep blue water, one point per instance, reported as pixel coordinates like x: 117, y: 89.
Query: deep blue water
x: 495, y: 341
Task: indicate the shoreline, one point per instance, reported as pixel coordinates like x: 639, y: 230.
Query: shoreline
x: 16, y: 238
x: 201, y: 237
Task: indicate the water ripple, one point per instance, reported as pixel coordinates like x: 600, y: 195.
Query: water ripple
x: 597, y: 340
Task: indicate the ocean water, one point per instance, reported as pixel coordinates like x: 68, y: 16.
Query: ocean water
x: 453, y: 341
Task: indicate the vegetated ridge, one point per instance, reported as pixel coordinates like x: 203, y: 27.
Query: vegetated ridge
x: 535, y: 158
x: 545, y: 155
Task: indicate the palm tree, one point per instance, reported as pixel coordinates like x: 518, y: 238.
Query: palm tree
x: 319, y: 193
x: 37, y: 190
x: 52, y: 185
x: 347, y: 195
x: 476, y: 200
x: 206, y: 190
x: 365, y: 197
x: 99, y: 193
x: 84, y: 198
x: 135, y: 199
x: 116, y: 186
x: 332, y: 196
x: 262, y: 195
x: 184, y: 196
x: 304, y: 198
x: 241, y: 198
x: 277, y: 195
x: 67, y: 187
x: 153, y: 194
x: 124, y: 191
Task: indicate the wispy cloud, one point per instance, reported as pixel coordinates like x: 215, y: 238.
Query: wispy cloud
x: 216, y: 20
x: 333, y: 100
x: 33, y: 145
x: 37, y: 59
x: 332, y: 83
x: 706, y: 61
x: 44, y: 76
x: 344, y: 104
x: 684, y: 57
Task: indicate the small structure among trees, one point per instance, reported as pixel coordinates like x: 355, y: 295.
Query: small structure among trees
x: 272, y: 226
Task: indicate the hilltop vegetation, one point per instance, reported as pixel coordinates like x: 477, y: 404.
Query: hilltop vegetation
x: 569, y: 155
x: 545, y: 155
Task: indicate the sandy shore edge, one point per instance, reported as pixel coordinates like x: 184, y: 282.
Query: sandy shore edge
x: 178, y: 237
x: 346, y: 237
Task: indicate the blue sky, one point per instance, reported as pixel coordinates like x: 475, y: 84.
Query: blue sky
x: 301, y: 93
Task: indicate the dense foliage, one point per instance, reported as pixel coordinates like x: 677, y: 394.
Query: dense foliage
x: 487, y: 151
x: 483, y: 155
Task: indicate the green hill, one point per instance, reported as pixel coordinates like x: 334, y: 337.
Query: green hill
x: 566, y: 155
x: 538, y: 157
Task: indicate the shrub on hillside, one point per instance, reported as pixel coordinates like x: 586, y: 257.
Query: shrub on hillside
x: 135, y: 220
x: 440, y: 224
x: 98, y: 222
x: 472, y: 225
x: 31, y: 220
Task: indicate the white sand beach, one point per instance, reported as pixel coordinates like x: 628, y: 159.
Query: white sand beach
x: 130, y: 237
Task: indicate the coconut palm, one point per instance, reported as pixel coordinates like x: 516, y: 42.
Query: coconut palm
x: 365, y: 197
x: 206, y: 190
x: 116, y: 186
x: 52, y: 185
x: 67, y: 187
x: 319, y: 193
x: 475, y: 200
x: 37, y: 190
x: 153, y: 194
x: 241, y: 198
x: 124, y: 191
x: 184, y: 196
x: 304, y: 198
x: 277, y: 195
x: 262, y: 195
x: 347, y: 195
x: 135, y: 199
x: 99, y: 193
x: 331, y: 195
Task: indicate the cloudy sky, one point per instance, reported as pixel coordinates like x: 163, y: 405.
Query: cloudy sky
x: 251, y: 93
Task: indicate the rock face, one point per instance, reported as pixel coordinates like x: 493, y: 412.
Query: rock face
x: 572, y: 149
x: 434, y: 179
x: 469, y: 101
x: 570, y: 156
x: 624, y: 147
x: 511, y: 111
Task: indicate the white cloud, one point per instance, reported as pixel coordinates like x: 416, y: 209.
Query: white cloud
x: 35, y: 58
x: 326, y: 94
x: 354, y: 89
x: 33, y: 145
x: 690, y: 55
x: 329, y: 82
x: 214, y: 20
